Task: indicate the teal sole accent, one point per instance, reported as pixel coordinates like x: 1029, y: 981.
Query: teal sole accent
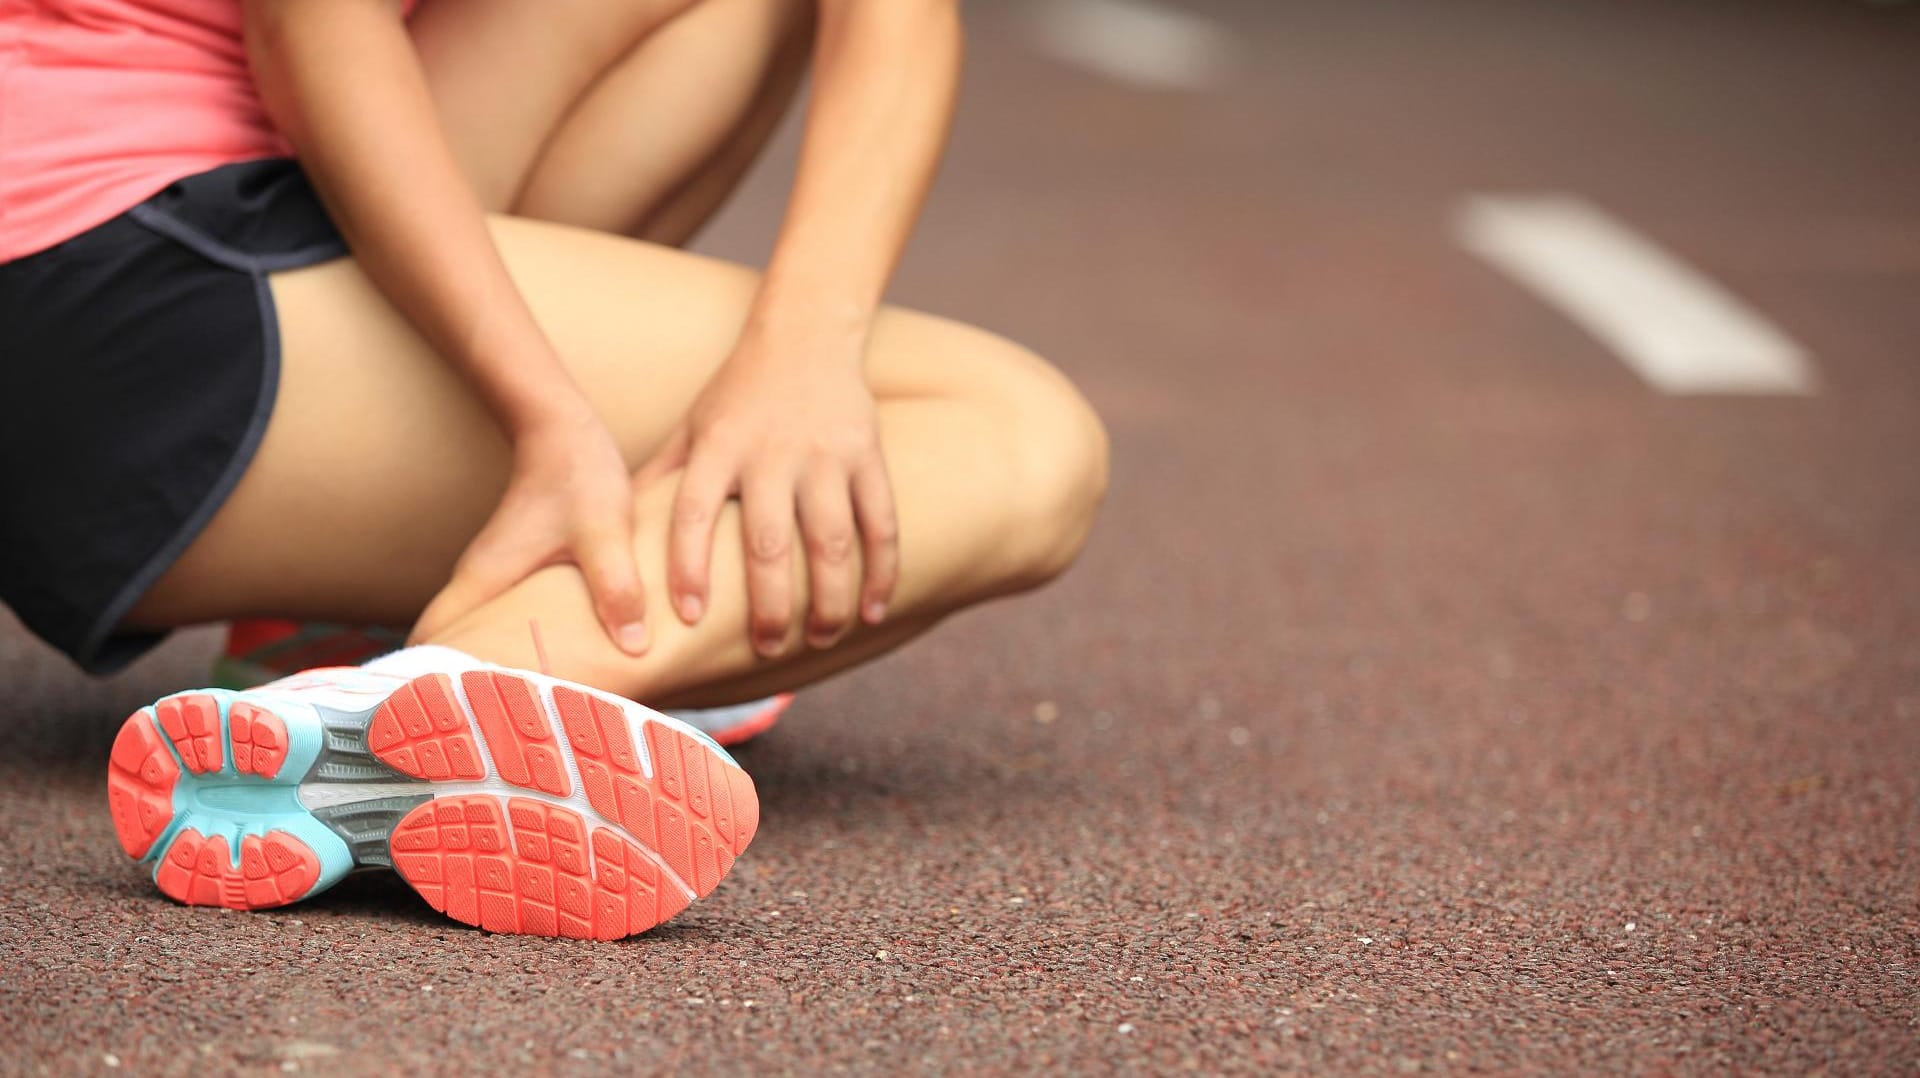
x: 712, y: 746
x: 234, y: 805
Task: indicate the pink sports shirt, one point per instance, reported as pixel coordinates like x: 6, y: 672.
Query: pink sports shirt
x: 104, y: 102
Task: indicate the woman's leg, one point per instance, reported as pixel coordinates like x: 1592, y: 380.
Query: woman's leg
x: 628, y: 116
x: 686, y: 113
x: 650, y: 146
x: 379, y: 465
x: 636, y: 117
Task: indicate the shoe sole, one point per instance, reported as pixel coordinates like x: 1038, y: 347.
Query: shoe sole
x: 755, y: 719
x: 510, y: 801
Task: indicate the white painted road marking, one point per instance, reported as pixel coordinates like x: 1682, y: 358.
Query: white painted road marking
x: 1135, y: 41
x: 1680, y: 331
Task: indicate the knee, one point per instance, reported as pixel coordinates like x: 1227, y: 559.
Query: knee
x: 1058, y: 455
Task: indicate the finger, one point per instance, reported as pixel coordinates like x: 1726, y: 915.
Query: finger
x: 828, y: 535
x: 672, y: 454
x: 879, y: 538
x: 766, y: 530
x: 704, y: 487
x: 606, y: 559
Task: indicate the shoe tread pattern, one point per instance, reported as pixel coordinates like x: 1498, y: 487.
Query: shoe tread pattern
x: 274, y: 869
x: 421, y: 731
x: 141, y: 774
x: 258, y: 739
x: 192, y: 723
x: 528, y: 865
x: 183, y: 739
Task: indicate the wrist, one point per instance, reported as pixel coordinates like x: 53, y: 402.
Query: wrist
x: 798, y: 313
x: 541, y: 408
x: 806, y: 338
x: 560, y: 421
x: 530, y: 392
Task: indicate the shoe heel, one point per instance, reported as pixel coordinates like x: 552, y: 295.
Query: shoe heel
x: 205, y: 787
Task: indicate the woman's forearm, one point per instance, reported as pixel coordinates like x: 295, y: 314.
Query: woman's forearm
x: 886, y: 74
x: 341, y: 80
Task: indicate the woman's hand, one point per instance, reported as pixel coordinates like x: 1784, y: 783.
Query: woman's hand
x: 788, y: 423
x: 790, y: 428
x: 368, y: 134
x: 570, y: 499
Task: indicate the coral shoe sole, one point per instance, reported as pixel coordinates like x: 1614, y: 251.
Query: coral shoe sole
x: 736, y: 725
x: 508, y: 800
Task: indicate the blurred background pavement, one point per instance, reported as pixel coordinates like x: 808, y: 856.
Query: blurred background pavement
x: 1451, y: 684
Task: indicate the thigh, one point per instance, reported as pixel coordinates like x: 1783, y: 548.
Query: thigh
x: 379, y: 464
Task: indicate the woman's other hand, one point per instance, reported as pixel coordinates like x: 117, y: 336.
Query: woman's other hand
x: 788, y: 426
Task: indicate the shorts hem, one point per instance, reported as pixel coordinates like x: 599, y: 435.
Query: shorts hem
x: 97, y: 654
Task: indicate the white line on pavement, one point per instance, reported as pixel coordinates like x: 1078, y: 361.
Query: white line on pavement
x: 1135, y: 41
x: 1678, y: 329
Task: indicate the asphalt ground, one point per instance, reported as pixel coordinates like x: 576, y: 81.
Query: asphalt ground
x: 1434, y: 696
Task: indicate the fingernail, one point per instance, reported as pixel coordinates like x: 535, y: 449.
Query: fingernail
x: 876, y: 612
x: 633, y: 637
x: 768, y: 646
x: 691, y: 608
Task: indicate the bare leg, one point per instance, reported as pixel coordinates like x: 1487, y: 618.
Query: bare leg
x: 630, y: 117
x: 965, y: 538
x: 997, y: 463
x: 661, y: 140
x: 379, y: 465
x: 639, y: 116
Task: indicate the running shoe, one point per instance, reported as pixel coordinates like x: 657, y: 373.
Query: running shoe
x: 739, y: 723
x: 509, y: 800
x: 260, y: 650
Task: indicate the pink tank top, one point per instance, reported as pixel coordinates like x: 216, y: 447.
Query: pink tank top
x: 104, y: 102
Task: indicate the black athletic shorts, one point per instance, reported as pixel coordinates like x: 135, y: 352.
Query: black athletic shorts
x: 138, y: 364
